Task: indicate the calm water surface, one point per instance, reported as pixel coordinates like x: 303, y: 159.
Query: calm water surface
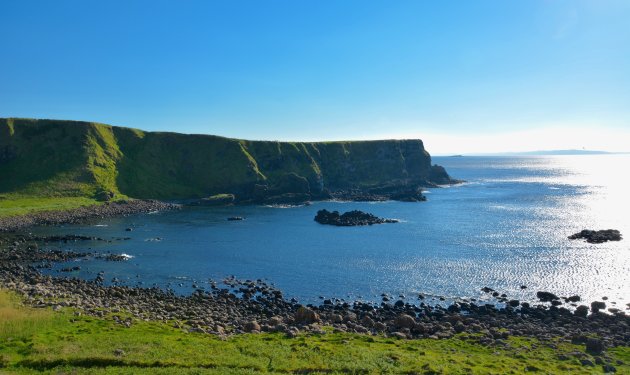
x: 506, y: 227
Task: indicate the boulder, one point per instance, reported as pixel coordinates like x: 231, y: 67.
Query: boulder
x: 404, y: 321
x: 594, y: 346
x: 304, y: 315
x: 546, y: 296
x: 252, y: 326
x: 598, y: 305
x: 581, y: 311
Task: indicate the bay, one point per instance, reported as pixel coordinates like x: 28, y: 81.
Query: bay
x: 507, y: 226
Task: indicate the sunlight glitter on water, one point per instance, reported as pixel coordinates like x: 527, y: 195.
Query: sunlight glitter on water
x: 506, y: 227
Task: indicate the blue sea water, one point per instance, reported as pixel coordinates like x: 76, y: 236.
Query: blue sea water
x: 505, y: 227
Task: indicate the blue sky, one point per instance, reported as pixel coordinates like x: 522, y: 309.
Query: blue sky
x: 462, y: 75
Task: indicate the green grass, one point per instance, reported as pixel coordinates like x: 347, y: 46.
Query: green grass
x: 56, y: 158
x: 12, y: 205
x: 43, y: 341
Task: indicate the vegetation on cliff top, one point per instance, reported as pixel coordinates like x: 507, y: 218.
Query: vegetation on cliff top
x: 52, y: 159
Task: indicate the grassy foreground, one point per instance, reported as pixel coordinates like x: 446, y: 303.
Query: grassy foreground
x: 14, y: 205
x: 35, y: 340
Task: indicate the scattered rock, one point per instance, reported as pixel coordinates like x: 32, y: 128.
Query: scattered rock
x: 573, y: 299
x: 594, y: 346
x: 405, y: 321
x: 305, y: 315
x: 597, y: 236
x: 609, y: 369
x: 351, y: 218
x: 547, y: 296
x: 252, y: 326
x: 581, y: 311
x: 598, y: 305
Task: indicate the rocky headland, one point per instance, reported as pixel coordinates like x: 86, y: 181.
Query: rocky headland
x: 105, y: 162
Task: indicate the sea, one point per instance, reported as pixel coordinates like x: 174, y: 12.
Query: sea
x: 505, y: 228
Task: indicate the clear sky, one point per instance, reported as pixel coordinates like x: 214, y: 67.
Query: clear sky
x: 465, y: 76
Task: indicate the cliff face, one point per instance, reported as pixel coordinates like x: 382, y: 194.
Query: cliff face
x: 49, y: 157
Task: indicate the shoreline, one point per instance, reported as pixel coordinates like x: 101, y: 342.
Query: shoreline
x: 80, y: 214
x: 253, y: 306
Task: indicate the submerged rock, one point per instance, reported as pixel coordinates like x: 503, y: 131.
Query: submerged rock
x: 351, y: 218
x: 597, y: 236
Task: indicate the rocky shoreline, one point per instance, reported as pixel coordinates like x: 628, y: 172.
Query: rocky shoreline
x: 77, y: 215
x: 253, y: 306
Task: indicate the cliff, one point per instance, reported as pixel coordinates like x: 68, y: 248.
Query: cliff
x: 71, y: 158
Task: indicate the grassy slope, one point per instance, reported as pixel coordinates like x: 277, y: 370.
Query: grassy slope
x: 52, y: 167
x: 40, y: 340
x: 51, y: 159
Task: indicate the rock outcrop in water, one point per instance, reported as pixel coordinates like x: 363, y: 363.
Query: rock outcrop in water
x: 100, y: 161
x: 597, y: 236
x: 349, y: 219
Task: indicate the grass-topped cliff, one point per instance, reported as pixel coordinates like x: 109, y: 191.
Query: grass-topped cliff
x: 56, y: 159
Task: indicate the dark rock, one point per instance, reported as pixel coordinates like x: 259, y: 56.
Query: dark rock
x: 599, y: 361
x: 597, y: 236
x: 514, y: 303
x: 587, y: 362
x: 351, y: 218
x: 438, y: 175
x: 597, y: 305
x: 609, y: 369
x: 594, y: 346
x: 546, y: 296
x: 235, y: 218
x: 581, y: 311
x: 105, y: 196
x: 574, y: 299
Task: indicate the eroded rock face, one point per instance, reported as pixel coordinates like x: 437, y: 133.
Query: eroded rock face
x: 597, y: 236
x: 223, y: 170
x: 351, y: 218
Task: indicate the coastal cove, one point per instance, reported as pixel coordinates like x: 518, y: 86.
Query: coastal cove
x: 505, y: 228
